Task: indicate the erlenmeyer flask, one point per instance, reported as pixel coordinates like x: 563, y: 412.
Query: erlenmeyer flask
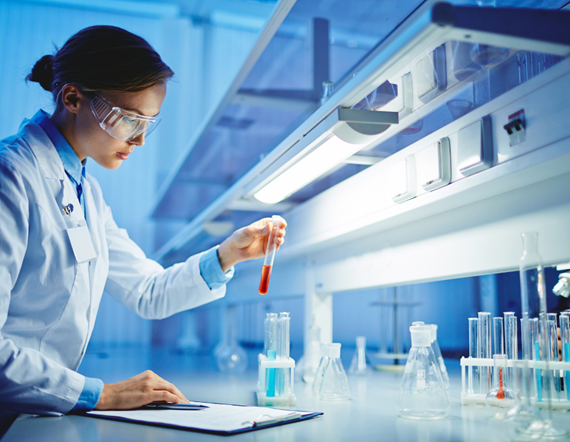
x: 438, y: 356
x: 331, y: 383
x: 500, y: 396
x: 422, y: 393
x: 360, y: 364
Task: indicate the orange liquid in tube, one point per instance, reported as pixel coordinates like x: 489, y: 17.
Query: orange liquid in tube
x: 269, y: 254
x: 264, y: 283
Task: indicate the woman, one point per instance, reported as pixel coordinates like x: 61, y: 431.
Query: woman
x: 59, y: 245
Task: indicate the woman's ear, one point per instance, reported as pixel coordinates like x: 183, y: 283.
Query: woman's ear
x: 72, y: 98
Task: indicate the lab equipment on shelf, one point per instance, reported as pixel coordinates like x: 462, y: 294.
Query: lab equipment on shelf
x: 360, y: 364
x: 277, y: 222
x: 276, y: 367
x: 535, y: 363
x: 331, y: 383
x: 422, y: 393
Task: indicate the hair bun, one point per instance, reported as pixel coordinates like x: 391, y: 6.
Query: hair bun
x: 42, y: 72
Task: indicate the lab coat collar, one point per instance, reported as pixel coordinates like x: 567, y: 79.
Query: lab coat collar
x: 42, y: 147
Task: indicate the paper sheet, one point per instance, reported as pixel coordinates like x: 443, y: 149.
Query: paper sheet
x: 218, y: 417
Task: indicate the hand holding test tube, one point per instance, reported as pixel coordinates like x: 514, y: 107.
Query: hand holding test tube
x: 274, y: 240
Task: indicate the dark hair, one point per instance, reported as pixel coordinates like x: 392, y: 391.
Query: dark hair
x: 102, y: 58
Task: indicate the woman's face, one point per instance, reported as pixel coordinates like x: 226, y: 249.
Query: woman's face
x: 91, y: 141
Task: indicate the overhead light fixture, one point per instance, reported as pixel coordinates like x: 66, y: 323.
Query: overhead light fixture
x: 335, y: 139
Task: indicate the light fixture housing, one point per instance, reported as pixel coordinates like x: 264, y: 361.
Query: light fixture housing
x: 339, y: 136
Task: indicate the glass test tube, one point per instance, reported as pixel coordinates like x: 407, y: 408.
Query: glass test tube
x: 281, y: 374
x: 484, y: 347
x: 535, y: 340
x: 269, y: 254
x: 553, y: 348
x: 565, y: 342
x: 509, y: 344
x: 472, y: 373
x: 498, y: 341
x: 271, y: 353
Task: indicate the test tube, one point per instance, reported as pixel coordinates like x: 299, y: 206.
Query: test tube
x: 277, y: 221
x: 565, y: 341
x: 281, y: 374
x: 271, y: 353
x: 511, y: 346
x: 553, y: 349
x: 498, y: 341
x: 472, y: 373
x: 535, y: 339
x: 484, y: 346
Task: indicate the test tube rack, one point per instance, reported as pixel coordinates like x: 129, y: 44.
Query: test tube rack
x: 284, y: 367
x: 471, y: 398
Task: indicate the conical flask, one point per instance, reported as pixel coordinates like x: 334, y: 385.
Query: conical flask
x: 231, y: 358
x: 422, y: 393
x: 360, y: 365
x: 331, y: 383
x: 438, y: 356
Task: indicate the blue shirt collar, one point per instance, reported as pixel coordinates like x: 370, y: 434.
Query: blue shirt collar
x: 71, y: 163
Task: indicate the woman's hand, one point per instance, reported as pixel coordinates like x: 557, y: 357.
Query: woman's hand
x: 137, y: 391
x: 248, y: 243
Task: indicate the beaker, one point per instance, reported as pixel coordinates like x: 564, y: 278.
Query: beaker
x: 331, y: 383
x: 277, y: 222
x: 438, y: 356
x: 501, y: 395
x: 360, y: 365
x: 422, y: 393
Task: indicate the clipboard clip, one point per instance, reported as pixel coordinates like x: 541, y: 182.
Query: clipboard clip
x: 266, y: 419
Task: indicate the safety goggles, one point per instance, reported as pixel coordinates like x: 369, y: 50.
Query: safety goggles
x: 121, y: 124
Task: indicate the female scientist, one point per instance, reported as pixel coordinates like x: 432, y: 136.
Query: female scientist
x: 59, y: 245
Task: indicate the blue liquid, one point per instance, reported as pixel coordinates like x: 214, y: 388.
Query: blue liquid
x: 270, y: 374
x: 538, y: 378
x: 567, y: 359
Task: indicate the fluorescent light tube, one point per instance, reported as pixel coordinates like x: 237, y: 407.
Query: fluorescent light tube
x: 330, y: 153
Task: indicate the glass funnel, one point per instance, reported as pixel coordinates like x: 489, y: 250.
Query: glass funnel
x: 360, y: 364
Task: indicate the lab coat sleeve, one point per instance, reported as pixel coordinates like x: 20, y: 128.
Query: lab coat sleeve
x: 144, y: 286
x: 29, y: 381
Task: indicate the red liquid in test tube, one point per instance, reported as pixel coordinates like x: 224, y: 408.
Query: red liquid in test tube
x: 277, y: 221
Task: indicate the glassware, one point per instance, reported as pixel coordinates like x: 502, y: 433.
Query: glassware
x: 328, y: 91
x: 422, y: 393
x: 535, y: 355
x: 484, y: 346
x: 438, y: 356
x: 511, y: 347
x: 524, y: 422
x: 231, y: 358
x: 312, y: 356
x: 554, y: 355
x: 277, y: 222
x: 360, y: 364
x: 501, y: 395
x: 271, y: 338
x: 565, y: 342
x: 331, y: 383
x: 283, y: 346
x: 473, y: 372
x: 533, y: 302
x: 498, y: 340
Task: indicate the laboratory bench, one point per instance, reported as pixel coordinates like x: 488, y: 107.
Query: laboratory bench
x: 371, y: 414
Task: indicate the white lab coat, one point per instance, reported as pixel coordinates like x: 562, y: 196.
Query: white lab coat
x: 49, y: 300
